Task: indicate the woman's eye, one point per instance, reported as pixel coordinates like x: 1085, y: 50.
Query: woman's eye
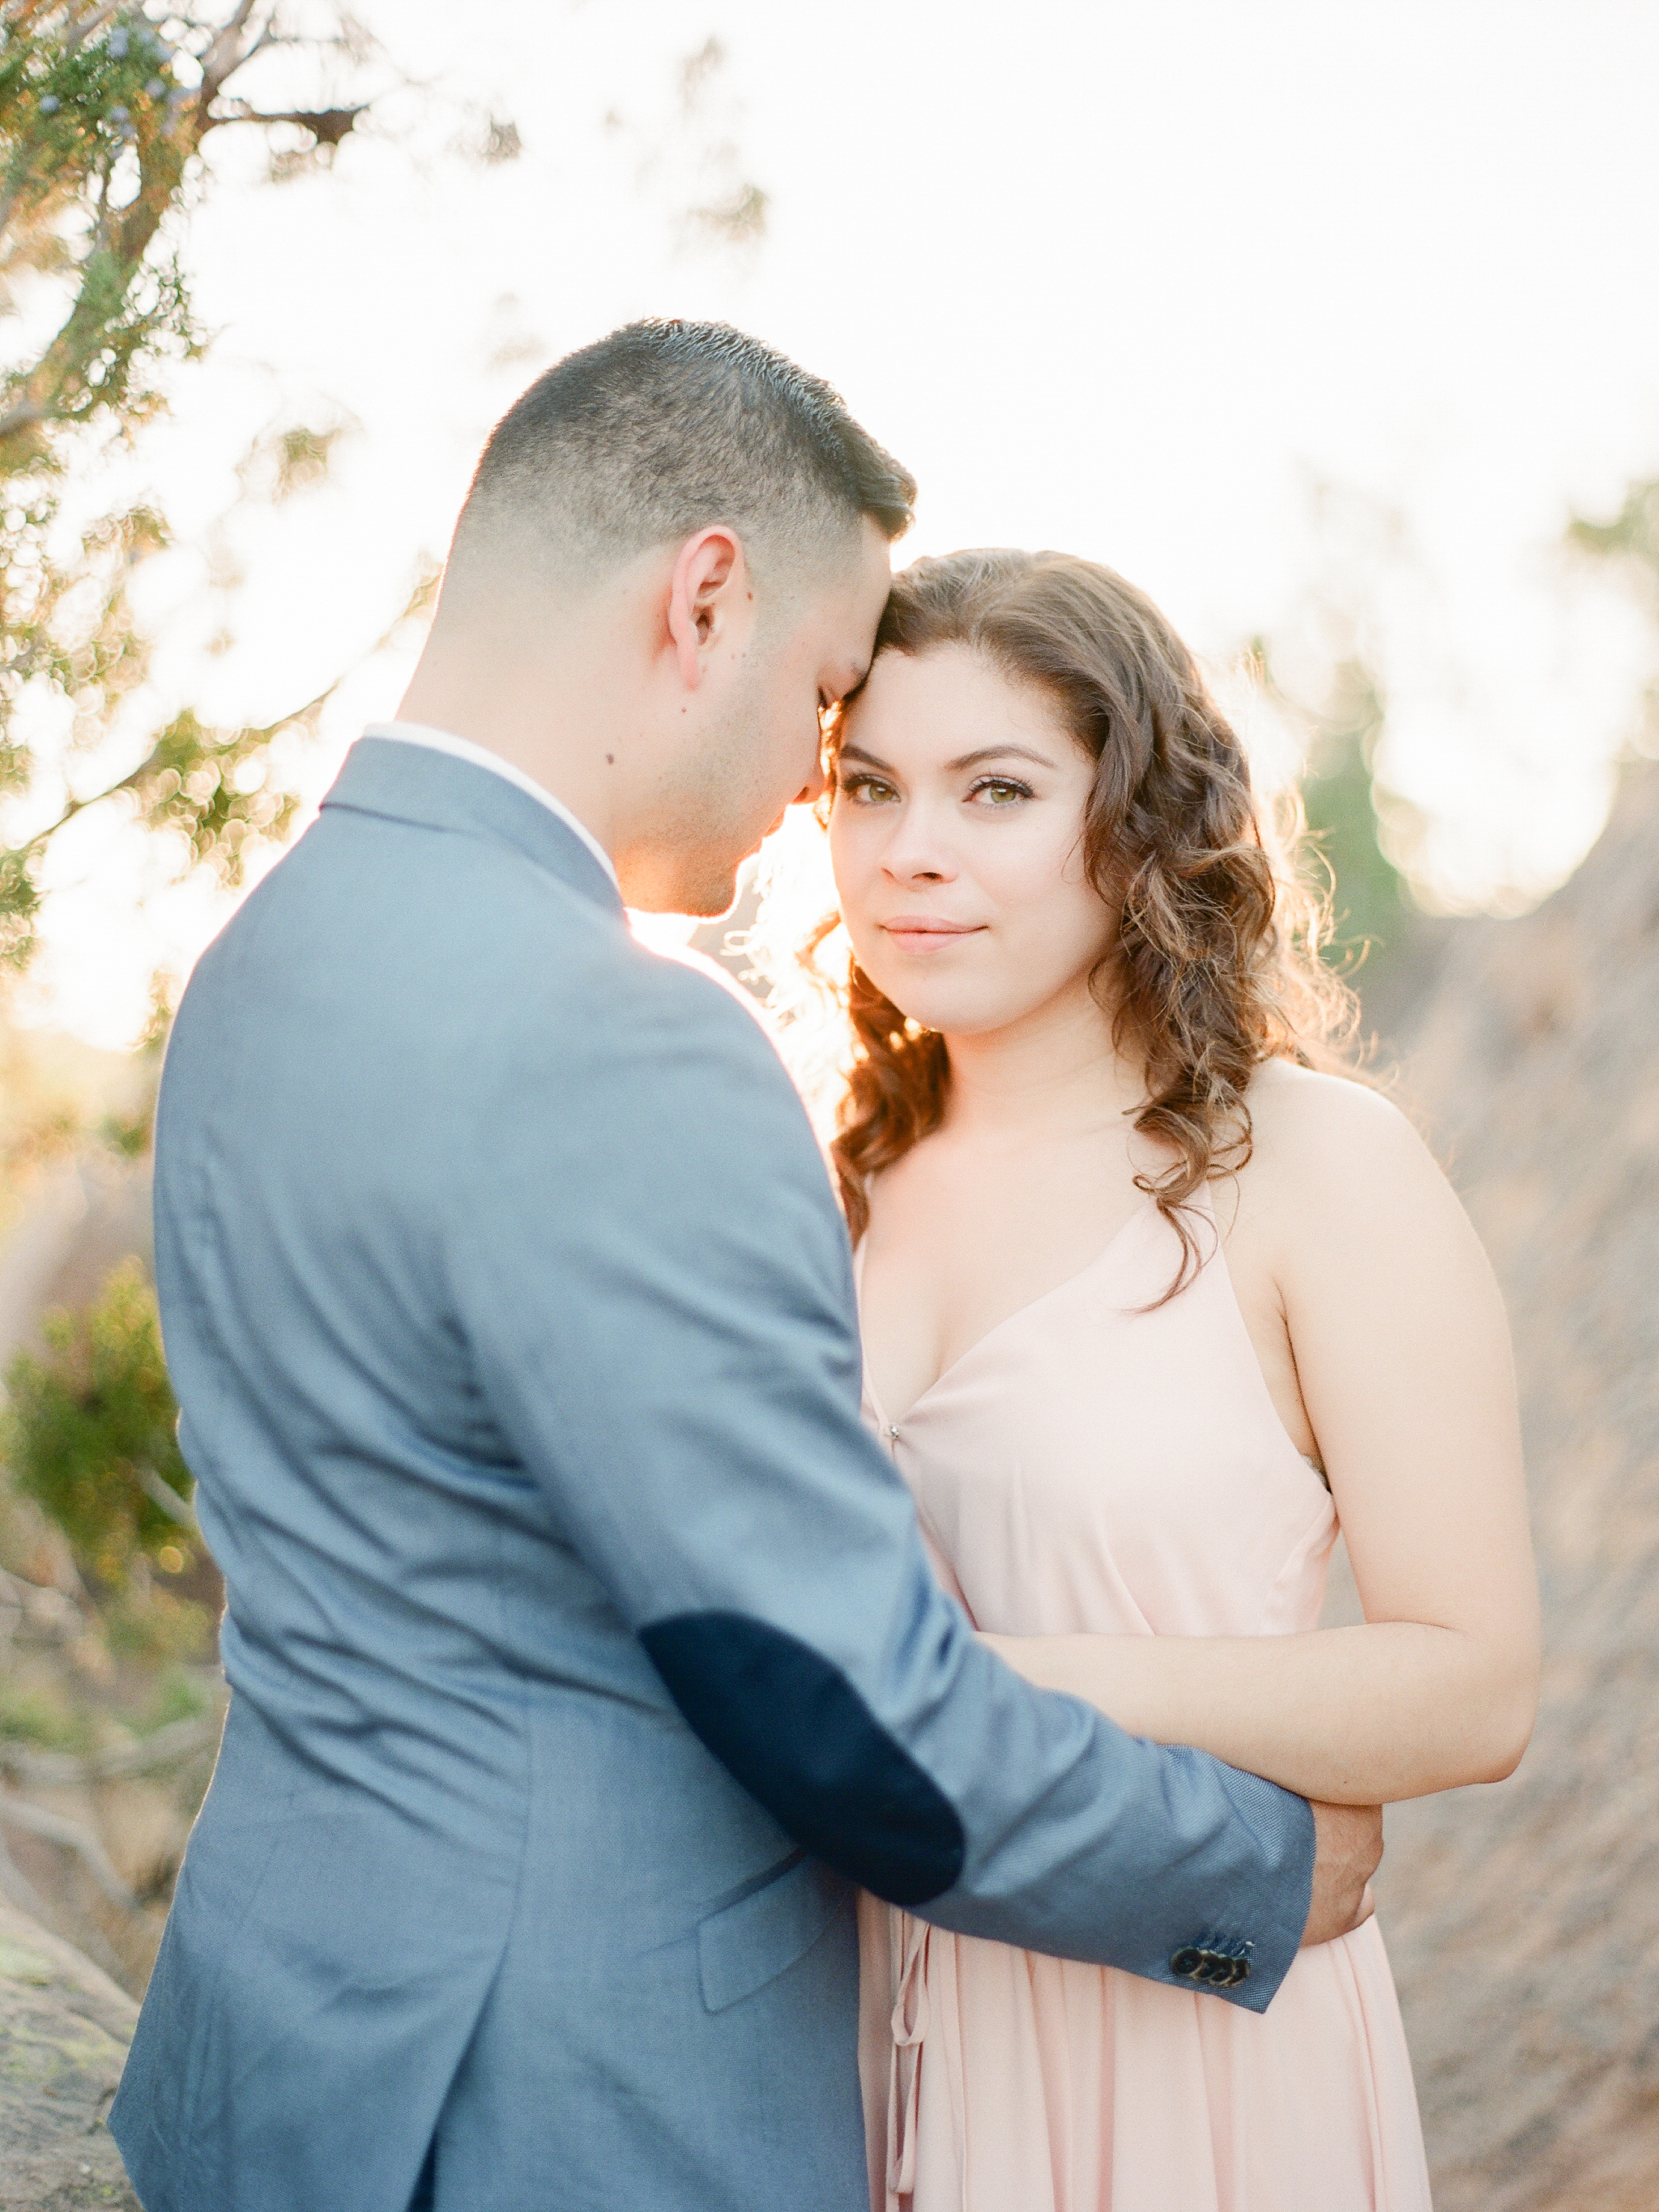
x: 1000, y: 791
x: 866, y: 790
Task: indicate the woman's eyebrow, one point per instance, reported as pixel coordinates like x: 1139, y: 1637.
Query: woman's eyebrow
x: 997, y: 752
x: 962, y: 761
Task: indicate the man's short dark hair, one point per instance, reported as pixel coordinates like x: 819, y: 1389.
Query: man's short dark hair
x: 664, y: 428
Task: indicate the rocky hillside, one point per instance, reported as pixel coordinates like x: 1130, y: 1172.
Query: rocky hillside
x: 1524, y: 1919
x: 64, y: 2028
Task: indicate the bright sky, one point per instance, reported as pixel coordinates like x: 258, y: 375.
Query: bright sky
x: 1130, y: 280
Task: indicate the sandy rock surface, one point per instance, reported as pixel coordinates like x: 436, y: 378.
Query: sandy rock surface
x: 1523, y: 1919
x: 64, y: 2028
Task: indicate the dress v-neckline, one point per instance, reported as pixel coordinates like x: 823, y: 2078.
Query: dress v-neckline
x: 889, y: 1427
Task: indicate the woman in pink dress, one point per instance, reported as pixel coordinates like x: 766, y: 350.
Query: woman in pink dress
x: 1151, y: 1306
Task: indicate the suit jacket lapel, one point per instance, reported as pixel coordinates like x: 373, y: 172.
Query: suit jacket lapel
x: 415, y: 783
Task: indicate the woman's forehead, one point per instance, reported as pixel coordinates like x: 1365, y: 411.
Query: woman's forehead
x: 951, y: 701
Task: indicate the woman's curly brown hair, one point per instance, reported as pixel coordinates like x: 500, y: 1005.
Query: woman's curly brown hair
x: 1215, y: 965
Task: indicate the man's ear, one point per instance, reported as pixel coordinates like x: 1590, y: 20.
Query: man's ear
x: 708, y: 593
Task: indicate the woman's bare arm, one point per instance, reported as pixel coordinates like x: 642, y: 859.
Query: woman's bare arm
x: 1401, y: 1351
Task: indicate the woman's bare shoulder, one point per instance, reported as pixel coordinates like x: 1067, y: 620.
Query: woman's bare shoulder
x: 1318, y: 1136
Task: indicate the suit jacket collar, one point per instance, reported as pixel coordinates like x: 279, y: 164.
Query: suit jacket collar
x: 415, y: 783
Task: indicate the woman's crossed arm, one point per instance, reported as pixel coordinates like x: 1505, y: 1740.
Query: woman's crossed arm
x: 1347, y: 1236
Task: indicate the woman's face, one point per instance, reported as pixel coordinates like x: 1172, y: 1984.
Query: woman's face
x: 957, y: 839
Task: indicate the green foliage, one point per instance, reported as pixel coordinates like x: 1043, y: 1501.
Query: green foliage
x: 154, y: 1628
x: 38, y: 1713
x: 103, y: 114
x: 177, y: 1696
x: 1356, y: 832
x: 89, y: 1434
x: 1339, y: 800
x: 75, y: 102
x: 128, y: 1135
x: 1630, y: 539
x: 1629, y: 545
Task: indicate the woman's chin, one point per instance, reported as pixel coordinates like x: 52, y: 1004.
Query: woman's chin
x: 948, y: 1015
x: 950, y: 1004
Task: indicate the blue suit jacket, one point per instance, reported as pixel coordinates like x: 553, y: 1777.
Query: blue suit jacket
x: 583, y: 1650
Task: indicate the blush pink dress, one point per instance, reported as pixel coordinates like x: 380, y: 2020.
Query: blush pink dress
x: 1089, y: 1467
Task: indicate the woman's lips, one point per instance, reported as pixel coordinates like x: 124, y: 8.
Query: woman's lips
x: 921, y: 932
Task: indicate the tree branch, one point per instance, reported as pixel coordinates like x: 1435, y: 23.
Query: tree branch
x: 226, y: 54
x: 18, y: 1890
x: 60, y: 388
x: 70, y: 1836
x: 26, y: 15
x: 61, y: 1770
x: 418, y: 600
x: 163, y: 1495
x: 327, y: 126
x: 21, y: 418
x: 93, y: 20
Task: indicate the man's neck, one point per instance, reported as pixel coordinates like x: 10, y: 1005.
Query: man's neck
x: 529, y: 724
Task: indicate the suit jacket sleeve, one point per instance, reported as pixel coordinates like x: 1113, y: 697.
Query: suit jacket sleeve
x: 654, y: 1281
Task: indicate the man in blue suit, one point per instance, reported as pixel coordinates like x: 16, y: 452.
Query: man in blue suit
x: 583, y: 1651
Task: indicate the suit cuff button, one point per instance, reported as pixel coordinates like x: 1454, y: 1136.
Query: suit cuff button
x: 1215, y: 1969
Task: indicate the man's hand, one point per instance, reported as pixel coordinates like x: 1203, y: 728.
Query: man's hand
x: 1347, y: 1849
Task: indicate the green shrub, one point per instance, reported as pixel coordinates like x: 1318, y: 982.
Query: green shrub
x: 40, y: 1713
x: 90, y: 1433
x: 155, y: 1628
x: 177, y: 1696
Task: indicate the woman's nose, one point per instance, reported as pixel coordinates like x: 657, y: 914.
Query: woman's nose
x: 917, y: 853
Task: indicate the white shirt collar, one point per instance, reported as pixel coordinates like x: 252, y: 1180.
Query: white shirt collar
x: 443, y: 741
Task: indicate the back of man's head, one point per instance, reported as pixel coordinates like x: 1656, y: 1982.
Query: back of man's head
x: 655, y: 432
